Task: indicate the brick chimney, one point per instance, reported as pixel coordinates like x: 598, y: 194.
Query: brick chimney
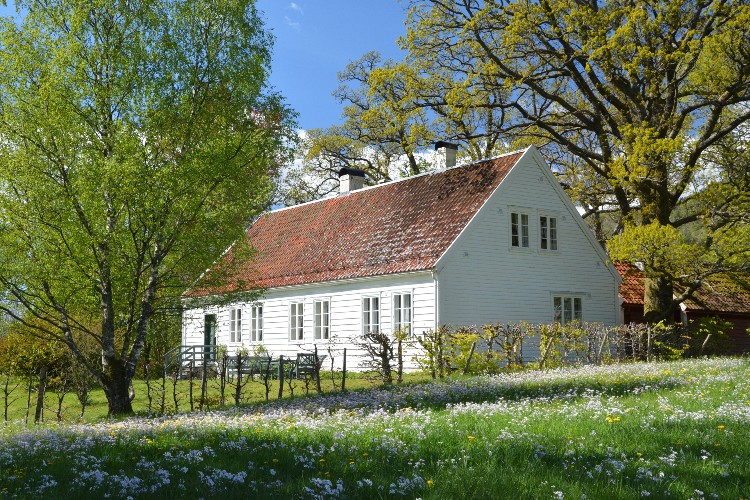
x: 446, y: 154
x: 350, y: 179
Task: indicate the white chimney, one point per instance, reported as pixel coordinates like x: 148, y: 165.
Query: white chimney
x: 446, y: 154
x: 350, y: 179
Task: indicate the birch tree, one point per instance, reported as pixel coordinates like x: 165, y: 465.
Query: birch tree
x: 137, y: 140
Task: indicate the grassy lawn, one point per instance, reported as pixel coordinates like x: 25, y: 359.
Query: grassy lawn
x: 678, y: 430
x: 252, y: 392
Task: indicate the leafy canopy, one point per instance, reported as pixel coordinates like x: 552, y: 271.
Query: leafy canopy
x: 138, y: 141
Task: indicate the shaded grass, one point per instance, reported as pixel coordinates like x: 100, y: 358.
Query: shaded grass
x: 252, y: 393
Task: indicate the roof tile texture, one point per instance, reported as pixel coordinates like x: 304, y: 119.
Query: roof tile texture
x: 394, y: 228
x: 716, y: 294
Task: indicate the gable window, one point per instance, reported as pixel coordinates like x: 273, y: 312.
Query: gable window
x: 322, y: 313
x: 402, y: 312
x: 256, y: 324
x: 296, y: 320
x: 519, y: 230
x: 567, y: 309
x: 370, y: 314
x: 235, y: 325
x: 548, y: 232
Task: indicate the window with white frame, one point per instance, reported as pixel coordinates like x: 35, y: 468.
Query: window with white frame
x: 402, y: 312
x: 322, y: 314
x: 519, y: 230
x: 567, y: 309
x: 370, y: 314
x: 235, y: 325
x: 256, y: 323
x: 296, y: 320
x: 547, y: 232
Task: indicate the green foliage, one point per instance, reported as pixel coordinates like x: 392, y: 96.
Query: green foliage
x: 641, y: 107
x: 139, y: 140
x: 22, y: 354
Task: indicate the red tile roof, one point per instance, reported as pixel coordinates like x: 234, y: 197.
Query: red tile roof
x: 720, y: 294
x: 631, y: 288
x: 397, y: 227
x: 716, y: 294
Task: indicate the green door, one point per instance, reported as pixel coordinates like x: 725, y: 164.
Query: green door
x: 209, y: 337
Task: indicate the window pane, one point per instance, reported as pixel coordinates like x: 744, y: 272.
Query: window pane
x: 514, y: 229
x: 553, y: 233
x: 543, y: 232
x: 524, y: 230
x: 568, y: 310
x: 577, y: 309
x: 558, y: 309
x: 260, y: 323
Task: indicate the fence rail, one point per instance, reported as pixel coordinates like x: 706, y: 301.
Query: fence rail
x: 190, y: 356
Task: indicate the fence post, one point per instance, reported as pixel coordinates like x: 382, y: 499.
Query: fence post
x: 343, y: 374
x: 192, y: 376
x: 317, y: 371
x: 648, y: 346
x: 281, y: 376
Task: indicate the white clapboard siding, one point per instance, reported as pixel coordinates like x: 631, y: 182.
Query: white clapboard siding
x: 345, y: 316
x: 482, y: 279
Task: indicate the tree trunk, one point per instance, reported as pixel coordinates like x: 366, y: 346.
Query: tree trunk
x: 117, y: 388
x: 657, y: 300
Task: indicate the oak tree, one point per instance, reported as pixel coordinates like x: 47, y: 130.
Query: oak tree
x: 628, y: 99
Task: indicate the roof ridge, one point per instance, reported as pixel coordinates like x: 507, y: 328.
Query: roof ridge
x: 394, y: 181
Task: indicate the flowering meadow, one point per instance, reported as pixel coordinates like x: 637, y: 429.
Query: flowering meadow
x: 678, y: 429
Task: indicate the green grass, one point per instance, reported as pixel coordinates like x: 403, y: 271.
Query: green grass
x: 96, y: 410
x: 677, y: 430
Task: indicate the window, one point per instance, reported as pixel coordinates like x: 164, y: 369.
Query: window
x: 235, y: 325
x: 519, y: 230
x: 256, y: 324
x: 322, y: 313
x: 548, y: 232
x: 370, y: 314
x: 296, y: 320
x: 402, y: 312
x: 567, y: 309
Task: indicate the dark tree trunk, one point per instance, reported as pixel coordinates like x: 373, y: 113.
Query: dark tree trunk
x: 118, y: 389
x: 657, y: 300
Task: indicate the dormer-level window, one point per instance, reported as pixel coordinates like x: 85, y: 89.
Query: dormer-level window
x: 548, y: 232
x: 519, y: 230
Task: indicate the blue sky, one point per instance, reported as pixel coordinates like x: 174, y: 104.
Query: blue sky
x: 315, y: 39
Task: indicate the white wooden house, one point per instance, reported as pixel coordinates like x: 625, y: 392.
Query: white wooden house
x: 493, y: 241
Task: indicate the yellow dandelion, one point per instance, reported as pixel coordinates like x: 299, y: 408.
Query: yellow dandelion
x: 429, y: 482
x: 472, y: 437
x: 721, y: 427
x: 322, y: 460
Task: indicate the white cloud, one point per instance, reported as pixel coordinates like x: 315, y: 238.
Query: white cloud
x: 296, y: 7
x: 290, y: 22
